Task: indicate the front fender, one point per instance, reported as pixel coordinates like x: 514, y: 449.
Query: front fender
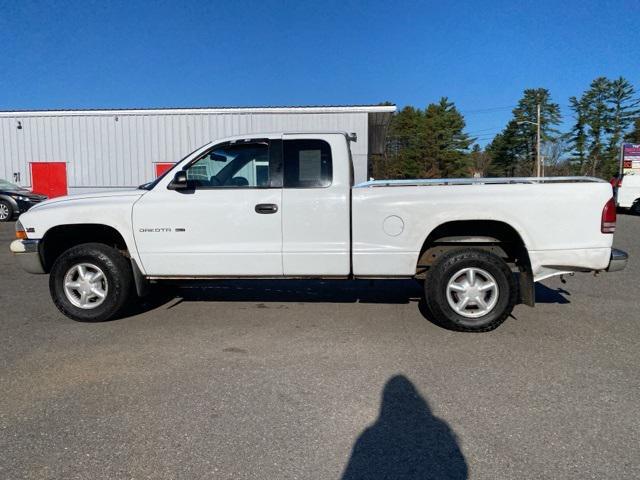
x: 114, y: 212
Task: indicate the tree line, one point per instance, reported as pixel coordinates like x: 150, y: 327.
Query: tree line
x: 432, y: 142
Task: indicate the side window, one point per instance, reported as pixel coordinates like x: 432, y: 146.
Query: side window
x: 244, y: 165
x: 307, y: 164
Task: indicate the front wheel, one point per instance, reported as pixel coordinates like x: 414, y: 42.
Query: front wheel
x: 470, y: 290
x: 91, y: 282
x: 6, y: 211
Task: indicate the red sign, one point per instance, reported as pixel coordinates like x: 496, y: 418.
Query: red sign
x: 49, y: 178
x: 631, y: 159
x: 162, y: 167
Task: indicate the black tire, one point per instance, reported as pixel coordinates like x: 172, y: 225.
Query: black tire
x: 117, y: 272
x: 635, y: 208
x: 447, y: 267
x: 9, y: 211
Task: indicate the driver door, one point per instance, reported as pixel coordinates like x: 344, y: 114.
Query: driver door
x: 227, y: 222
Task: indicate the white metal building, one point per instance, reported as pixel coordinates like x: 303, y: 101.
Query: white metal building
x: 97, y: 149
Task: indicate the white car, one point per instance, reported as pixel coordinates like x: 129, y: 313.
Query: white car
x: 284, y: 206
x: 628, y: 192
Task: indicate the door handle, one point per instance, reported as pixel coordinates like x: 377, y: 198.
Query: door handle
x: 266, y: 208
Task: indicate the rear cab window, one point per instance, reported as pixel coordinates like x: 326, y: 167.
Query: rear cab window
x: 307, y: 164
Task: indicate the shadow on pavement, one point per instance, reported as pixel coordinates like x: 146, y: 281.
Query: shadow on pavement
x: 265, y: 291
x: 546, y: 294
x: 304, y: 291
x: 407, y: 441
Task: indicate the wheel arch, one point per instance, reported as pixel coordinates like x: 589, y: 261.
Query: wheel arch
x: 60, y: 238
x: 10, y: 200
x: 495, y: 236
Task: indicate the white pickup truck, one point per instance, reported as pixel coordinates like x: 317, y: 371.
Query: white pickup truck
x: 284, y: 206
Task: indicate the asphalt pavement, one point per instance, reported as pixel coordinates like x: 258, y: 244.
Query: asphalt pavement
x: 322, y: 380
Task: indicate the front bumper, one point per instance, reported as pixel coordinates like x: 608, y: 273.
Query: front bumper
x: 28, y: 254
x: 618, y: 260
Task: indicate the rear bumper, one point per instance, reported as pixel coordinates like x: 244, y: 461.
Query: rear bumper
x: 618, y: 260
x: 27, y: 252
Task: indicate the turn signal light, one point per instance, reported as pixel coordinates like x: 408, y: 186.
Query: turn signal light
x: 21, y: 235
x: 608, y: 223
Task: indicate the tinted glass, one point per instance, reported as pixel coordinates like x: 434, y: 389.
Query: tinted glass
x: 239, y: 166
x: 307, y: 164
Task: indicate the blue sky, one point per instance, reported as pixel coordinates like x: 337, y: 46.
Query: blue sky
x: 481, y: 55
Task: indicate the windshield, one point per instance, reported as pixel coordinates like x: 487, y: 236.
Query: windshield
x: 4, y: 185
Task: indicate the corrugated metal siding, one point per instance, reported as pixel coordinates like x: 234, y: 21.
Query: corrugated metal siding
x: 119, y: 150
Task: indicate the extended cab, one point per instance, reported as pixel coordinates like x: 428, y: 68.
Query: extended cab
x: 284, y: 205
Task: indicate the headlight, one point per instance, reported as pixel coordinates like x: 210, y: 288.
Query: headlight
x: 20, y: 197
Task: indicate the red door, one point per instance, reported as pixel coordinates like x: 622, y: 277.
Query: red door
x: 162, y: 167
x: 49, y: 178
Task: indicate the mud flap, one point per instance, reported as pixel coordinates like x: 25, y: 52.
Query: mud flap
x: 142, y: 284
x: 527, y: 288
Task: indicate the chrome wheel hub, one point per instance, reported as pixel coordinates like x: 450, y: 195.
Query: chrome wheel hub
x: 85, y: 286
x: 472, y: 292
x: 4, y: 211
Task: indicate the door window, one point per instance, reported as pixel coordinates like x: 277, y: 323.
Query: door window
x: 244, y: 165
x: 307, y: 164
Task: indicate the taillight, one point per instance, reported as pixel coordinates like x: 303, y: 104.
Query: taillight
x: 608, y: 224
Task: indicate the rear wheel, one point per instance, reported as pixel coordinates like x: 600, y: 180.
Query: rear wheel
x: 91, y: 282
x: 470, y: 290
x: 6, y: 211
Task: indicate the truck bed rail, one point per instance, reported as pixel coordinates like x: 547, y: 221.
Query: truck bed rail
x: 426, y: 182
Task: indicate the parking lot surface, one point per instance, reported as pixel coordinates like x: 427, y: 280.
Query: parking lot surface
x: 322, y: 380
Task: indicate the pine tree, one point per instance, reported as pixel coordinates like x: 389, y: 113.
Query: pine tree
x: 513, y: 152
x: 578, y: 135
x: 426, y: 144
x: 634, y: 136
x: 526, y: 111
x: 445, y: 142
x: 598, y: 119
x: 505, y: 151
x: 604, y: 114
x: 406, y: 144
x: 624, y: 109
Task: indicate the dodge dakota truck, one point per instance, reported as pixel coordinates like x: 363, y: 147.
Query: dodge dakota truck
x: 284, y: 206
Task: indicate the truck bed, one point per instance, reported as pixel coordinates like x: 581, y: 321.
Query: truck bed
x: 558, y: 219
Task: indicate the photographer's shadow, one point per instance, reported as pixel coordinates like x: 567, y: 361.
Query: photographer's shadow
x: 407, y: 441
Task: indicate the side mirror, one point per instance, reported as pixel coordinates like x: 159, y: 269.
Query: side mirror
x: 179, y: 181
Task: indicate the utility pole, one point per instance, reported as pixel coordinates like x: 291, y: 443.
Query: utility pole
x: 538, y: 142
x: 537, y: 124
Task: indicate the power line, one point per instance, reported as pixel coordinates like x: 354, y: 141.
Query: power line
x: 487, y: 110
x: 487, y: 130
